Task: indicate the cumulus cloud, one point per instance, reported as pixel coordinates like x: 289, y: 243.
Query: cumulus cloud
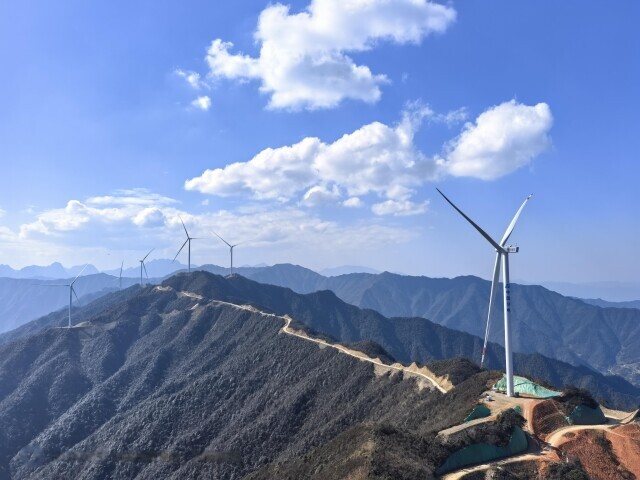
x: 501, y: 140
x: 384, y: 161
x: 192, y: 78
x: 84, y: 230
x: 304, y: 57
x: 320, y: 195
x: 2, y: 212
x: 137, y: 206
x: 374, y: 159
x: 353, y: 202
x: 203, y: 103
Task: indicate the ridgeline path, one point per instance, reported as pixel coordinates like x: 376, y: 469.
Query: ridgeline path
x: 423, y: 373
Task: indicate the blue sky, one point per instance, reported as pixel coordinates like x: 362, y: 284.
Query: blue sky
x: 340, y: 124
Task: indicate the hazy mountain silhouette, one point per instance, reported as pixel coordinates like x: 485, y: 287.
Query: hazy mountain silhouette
x: 22, y: 300
x: 543, y: 321
x: 55, y: 270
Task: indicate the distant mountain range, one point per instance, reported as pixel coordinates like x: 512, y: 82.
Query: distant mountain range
x: 346, y: 269
x: 568, y: 329
x: 614, y: 292
x: 158, y: 268
x: 611, y: 291
x: 605, y: 304
x: 545, y: 322
x: 23, y: 300
x: 55, y: 270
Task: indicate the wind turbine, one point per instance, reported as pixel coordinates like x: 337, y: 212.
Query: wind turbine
x: 502, y: 254
x: 231, y: 247
x: 72, y: 290
x: 188, y: 240
x: 142, y: 265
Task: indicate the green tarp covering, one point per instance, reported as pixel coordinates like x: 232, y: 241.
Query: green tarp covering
x: 583, y: 415
x: 526, y: 386
x: 479, y: 411
x: 484, y: 452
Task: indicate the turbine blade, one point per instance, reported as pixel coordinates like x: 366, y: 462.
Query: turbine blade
x: 51, y: 284
x: 482, y: 232
x: 185, y: 242
x: 74, y: 293
x: 222, y: 239
x: 494, y: 288
x: 74, y: 280
x: 145, y: 257
x: 185, y: 228
x: 145, y: 270
x: 507, y: 234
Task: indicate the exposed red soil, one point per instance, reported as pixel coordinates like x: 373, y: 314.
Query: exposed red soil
x: 546, y: 418
x: 626, y: 446
x: 595, y: 451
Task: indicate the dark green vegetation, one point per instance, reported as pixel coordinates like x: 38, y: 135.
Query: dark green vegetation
x: 573, y: 397
x: 566, y: 471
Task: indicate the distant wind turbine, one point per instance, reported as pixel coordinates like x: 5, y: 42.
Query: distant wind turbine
x: 231, y: 247
x: 502, y: 253
x: 72, y: 290
x: 188, y: 240
x: 121, y: 267
x: 142, y: 265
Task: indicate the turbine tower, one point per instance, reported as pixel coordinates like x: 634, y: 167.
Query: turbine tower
x: 188, y: 240
x: 142, y: 265
x: 231, y: 247
x: 72, y: 290
x: 502, y: 256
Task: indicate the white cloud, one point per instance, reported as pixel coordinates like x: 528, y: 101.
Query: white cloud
x: 320, y: 195
x: 192, y: 78
x: 203, y: 103
x: 150, y: 217
x: 125, y: 228
x: 2, y: 212
x: 399, y: 208
x: 272, y: 174
x: 304, y: 61
x: 374, y: 159
x: 502, y: 139
x: 353, y: 202
x: 137, y: 206
x: 384, y: 161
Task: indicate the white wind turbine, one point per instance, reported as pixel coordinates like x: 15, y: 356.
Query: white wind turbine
x: 231, y: 247
x: 188, y: 240
x: 72, y: 290
x: 502, y: 253
x: 142, y: 265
